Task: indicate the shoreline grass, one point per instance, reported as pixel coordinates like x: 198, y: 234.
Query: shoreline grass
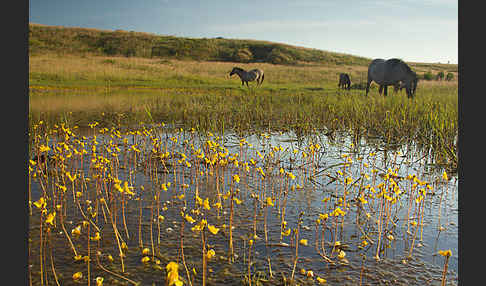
x: 112, y: 90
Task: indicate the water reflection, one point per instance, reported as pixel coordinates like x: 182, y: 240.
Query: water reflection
x: 321, y: 164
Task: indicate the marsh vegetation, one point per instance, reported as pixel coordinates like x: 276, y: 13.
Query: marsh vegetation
x: 162, y: 170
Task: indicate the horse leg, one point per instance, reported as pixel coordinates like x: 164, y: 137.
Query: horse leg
x: 409, y: 92
x: 386, y: 90
x: 380, y: 90
x: 368, y: 86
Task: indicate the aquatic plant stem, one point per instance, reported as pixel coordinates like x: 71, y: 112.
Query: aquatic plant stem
x: 444, y: 272
x: 204, y: 258
x: 183, y: 223
x: 231, y: 225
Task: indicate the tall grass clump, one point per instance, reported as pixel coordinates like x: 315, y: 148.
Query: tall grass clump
x: 430, y: 119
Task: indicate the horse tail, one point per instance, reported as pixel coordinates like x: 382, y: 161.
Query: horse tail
x: 263, y: 77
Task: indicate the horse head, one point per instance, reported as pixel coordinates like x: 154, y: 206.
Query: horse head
x: 410, y: 83
x: 234, y: 70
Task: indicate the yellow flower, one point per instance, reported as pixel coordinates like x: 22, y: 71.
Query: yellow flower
x: 200, y: 226
x: 445, y: 253
x: 181, y: 196
x: 71, y: 178
x: 236, y: 178
x: 199, y: 201
x: 341, y: 254
x: 338, y: 212
x: 190, y: 219
x: 77, y: 275
x: 302, y: 271
x: 161, y: 218
x: 213, y: 229
x: 99, y: 281
x: 291, y: 176
x: 323, y: 216
x: 362, y: 200
x: 269, y: 202
x: 44, y: 148
x: 76, y: 230
x: 41, y: 203
x: 96, y: 237
x: 78, y: 257
x: 127, y: 189
x: 364, y: 243
x: 444, y: 176
x: 390, y: 237
x: 50, y: 218
x: 218, y: 205
x: 173, y: 275
x: 321, y: 280
x: 286, y: 232
x: 172, y: 266
x: 303, y: 242
x: 145, y: 259
x: 134, y: 148
x: 118, y: 187
x: 145, y: 251
x: 206, y: 204
x: 210, y: 254
x: 310, y: 274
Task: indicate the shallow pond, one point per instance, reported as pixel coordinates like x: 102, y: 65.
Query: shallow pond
x: 363, y: 212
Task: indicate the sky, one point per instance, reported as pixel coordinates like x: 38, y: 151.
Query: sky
x: 412, y: 30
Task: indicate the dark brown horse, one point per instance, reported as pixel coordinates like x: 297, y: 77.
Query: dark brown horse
x: 344, y: 81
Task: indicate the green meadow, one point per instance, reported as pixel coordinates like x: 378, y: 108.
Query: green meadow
x: 114, y: 90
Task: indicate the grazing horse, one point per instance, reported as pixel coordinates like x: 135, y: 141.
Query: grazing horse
x: 344, y: 81
x: 246, y: 76
x: 393, y: 72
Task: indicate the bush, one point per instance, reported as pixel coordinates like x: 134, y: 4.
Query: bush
x: 440, y: 75
x: 278, y: 57
x: 243, y: 55
x: 428, y: 76
x: 450, y: 76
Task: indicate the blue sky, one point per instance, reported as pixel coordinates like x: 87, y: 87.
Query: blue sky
x: 413, y: 30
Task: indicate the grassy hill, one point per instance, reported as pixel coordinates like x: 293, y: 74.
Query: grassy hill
x: 60, y: 39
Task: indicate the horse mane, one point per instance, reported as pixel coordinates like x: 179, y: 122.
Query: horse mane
x: 238, y: 68
x: 394, y: 62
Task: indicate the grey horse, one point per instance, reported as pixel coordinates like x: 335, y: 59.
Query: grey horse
x: 344, y: 81
x: 393, y: 72
x: 246, y: 76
